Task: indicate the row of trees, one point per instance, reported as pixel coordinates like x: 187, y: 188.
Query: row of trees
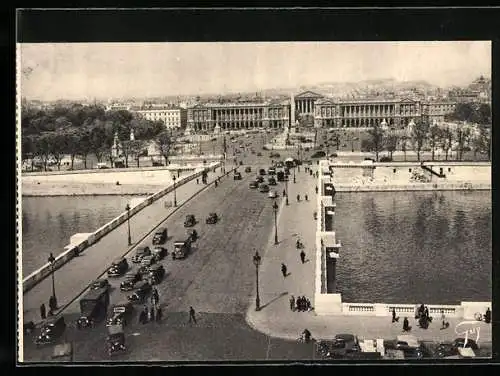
x: 79, y: 131
x: 433, y: 137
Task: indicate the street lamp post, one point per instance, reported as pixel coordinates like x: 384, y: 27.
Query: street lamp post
x: 294, y: 175
x: 286, y: 189
x: 256, y: 262
x: 52, y: 260
x: 127, y: 208
x: 275, y: 208
x: 175, y: 195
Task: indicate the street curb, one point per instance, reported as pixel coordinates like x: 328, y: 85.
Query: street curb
x: 130, y: 249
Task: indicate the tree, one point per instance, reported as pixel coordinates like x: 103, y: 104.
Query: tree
x: 463, y: 136
x: 84, y: 146
x: 391, y: 143
x: 420, y: 131
x: 434, y: 135
x: 58, y: 146
x: 377, y: 136
x: 43, y: 149
x: 164, y: 143
x: 98, y: 137
x: 462, y: 112
x: 135, y: 149
x: 484, y: 114
x: 446, y: 141
x: 27, y: 149
x: 404, y: 141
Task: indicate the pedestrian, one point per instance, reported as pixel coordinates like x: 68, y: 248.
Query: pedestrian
x: 394, y: 317
x: 52, y: 303
x: 426, y: 313
x: 316, y: 189
x: 292, y: 303
x: 298, y: 198
x: 284, y: 193
x: 143, y: 317
x: 43, y: 314
x: 308, y: 305
x: 283, y: 270
x: 158, y: 314
x: 197, y: 181
x: 302, y: 256
x: 307, y: 198
x: 192, y: 315
x: 406, y: 325
x: 443, y: 320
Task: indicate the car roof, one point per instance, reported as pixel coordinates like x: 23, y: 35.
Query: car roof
x: 118, y: 260
x: 161, y: 229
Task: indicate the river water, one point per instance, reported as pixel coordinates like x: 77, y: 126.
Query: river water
x: 414, y: 247
x: 397, y: 247
x: 49, y: 222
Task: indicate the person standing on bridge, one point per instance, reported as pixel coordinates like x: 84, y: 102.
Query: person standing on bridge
x: 292, y: 303
x: 192, y: 313
x: 43, y: 313
x: 302, y: 256
x: 316, y: 189
x: 283, y: 270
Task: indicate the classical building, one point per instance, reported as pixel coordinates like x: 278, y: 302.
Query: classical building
x: 245, y: 115
x: 171, y: 116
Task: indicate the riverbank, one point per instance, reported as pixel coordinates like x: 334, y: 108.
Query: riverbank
x: 53, y: 189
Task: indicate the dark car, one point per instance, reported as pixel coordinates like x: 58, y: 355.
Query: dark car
x: 99, y: 284
x: 156, y: 274
x: 319, y: 154
x: 343, y: 343
x: 259, y: 179
x: 118, y: 267
x: 446, y: 349
x: 248, y: 169
x: 142, y: 290
x: 160, y: 236
x: 146, y: 263
x: 272, y: 181
x: 52, y: 329
x: 259, y: 154
x: 190, y: 220
x: 140, y: 253
x: 130, y: 280
x: 120, y: 314
x: 262, y: 171
x: 460, y: 342
x: 254, y: 184
x: 275, y: 155
x: 159, y: 253
x: 212, y: 218
x: 237, y: 176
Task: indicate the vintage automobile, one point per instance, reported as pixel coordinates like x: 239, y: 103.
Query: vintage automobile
x: 120, y: 314
x: 190, y: 220
x: 131, y: 279
x: 271, y: 171
x: 272, y: 181
x: 192, y: 235
x: 159, y: 253
x: 248, y: 169
x: 254, y: 184
x: 52, y: 329
x: 146, y: 264
x: 446, y: 349
x: 259, y: 179
x: 262, y: 171
x: 272, y: 194
x: 118, y: 267
x: 100, y: 283
x: 264, y: 188
x: 156, y: 274
x: 116, y: 340
x: 160, y: 236
x: 344, y: 343
x: 259, y: 154
x: 142, y: 290
x: 93, y: 307
x: 181, y: 249
x: 237, y: 176
x: 212, y: 218
x: 140, y: 253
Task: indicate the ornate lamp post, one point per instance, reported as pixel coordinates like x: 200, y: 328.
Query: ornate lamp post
x: 175, y: 195
x: 52, y: 260
x: 127, y: 208
x: 286, y: 190
x: 257, y: 262
x: 275, y: 209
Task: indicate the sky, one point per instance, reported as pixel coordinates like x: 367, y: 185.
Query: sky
x: 116, y: 70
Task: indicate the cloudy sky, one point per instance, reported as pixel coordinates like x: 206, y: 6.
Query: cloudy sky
x: 104, y: 70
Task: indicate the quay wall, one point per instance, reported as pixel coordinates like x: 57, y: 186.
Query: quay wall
x: 66, y: 256
x: 331, y: 303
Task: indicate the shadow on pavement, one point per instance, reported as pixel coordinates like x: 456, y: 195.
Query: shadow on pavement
x: 274, y: 299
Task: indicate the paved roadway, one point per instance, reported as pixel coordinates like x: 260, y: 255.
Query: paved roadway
x: 217, y: 279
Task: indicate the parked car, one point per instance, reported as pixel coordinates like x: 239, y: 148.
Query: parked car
x: 120, y: 314
x: 248, y: 169
x: 259, y: 154
x: 262, y: 171
x: 118, y: 267
x: 140, y: 253
x: 271, y: 170
x: 190, y: 220
x: 130, y: 280
x: 142, y: 290
x: 264, y: 188
x: 146, y: 263
x: 259, y: 179
x: 100, y: 283
x: 160, y: 236
x: 273, y: 194
x: 272, y: 181
x: 52, y: 330
x: 344, y: 343
x: 212, y: 218
x: 237, y: 176
x: 159, y: 253
x: 275, y: 155
x: 254, y: 184
x: 319, y: 154
x: 446, y: 349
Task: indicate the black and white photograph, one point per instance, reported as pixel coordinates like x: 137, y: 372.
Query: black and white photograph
x: 254, y: 201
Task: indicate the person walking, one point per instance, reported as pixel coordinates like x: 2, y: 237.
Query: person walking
x: 284, y: 193
x: 197, y: 181
x: 394, y: 317
x: 298, y: 198
x: 302, y: 256
x: 292, y: 303
x: 283, y: 270
x: 151, y: 315
x: 306, y: 197
x: 406, y: 325
x: 192, y: 317
x: 43, y: 313
x: 158, y: 314
x: 316, y: 189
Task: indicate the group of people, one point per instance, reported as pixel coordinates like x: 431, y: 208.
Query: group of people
x: 52, y: 307
x: 302, y: 304
x: 154, y: 312
x: 422, y: 315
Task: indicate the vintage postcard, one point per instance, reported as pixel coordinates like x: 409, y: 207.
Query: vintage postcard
x: 263, y: 201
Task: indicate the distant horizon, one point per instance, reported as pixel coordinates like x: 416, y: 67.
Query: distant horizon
x: 100, y: 71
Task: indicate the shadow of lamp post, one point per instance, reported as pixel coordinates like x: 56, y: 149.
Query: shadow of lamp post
x: 127, y: 208
x: 175, y: 194
x: 275, y: 209
x: 52, y: 261
x: 256, y: 262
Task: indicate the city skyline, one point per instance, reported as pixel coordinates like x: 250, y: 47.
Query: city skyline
x: 107, y: 70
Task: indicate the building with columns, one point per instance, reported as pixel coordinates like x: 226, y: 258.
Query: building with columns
x: 171, y: 116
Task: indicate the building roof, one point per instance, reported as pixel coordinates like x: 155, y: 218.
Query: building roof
x: 308, y: 95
